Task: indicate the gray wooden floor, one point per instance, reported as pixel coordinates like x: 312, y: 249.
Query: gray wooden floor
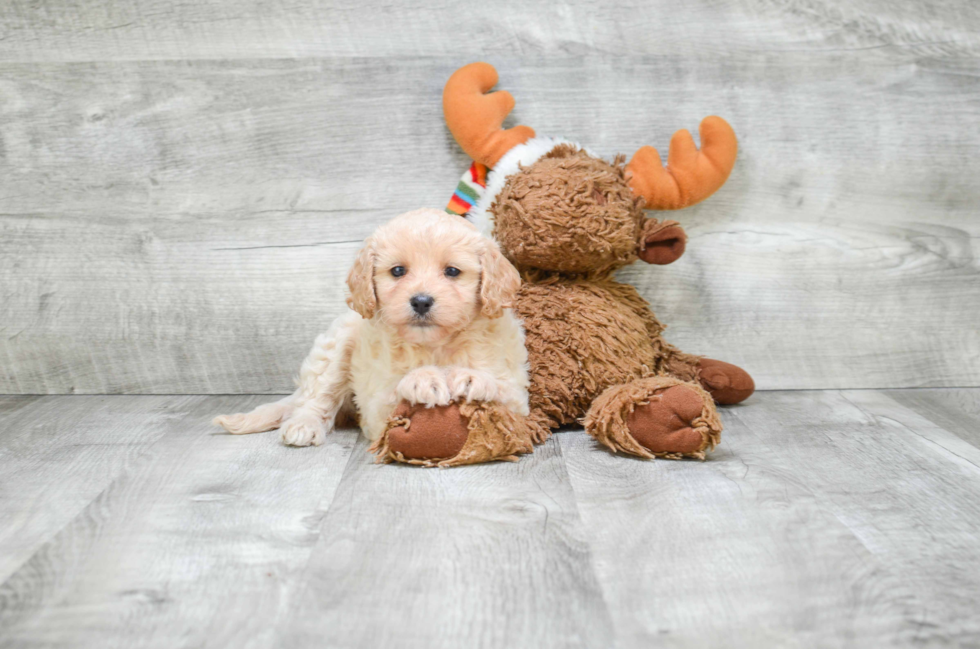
x: 825, y: 518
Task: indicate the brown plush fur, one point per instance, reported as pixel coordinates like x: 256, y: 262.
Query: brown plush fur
x: 569, y: 212
x: 567, y: 222
x: 596, y: 351
x: 584, y: 335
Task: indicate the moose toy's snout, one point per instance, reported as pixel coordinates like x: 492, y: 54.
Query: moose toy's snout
x: 661, y: 242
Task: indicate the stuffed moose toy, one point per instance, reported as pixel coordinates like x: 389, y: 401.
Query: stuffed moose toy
x: 568, y: 220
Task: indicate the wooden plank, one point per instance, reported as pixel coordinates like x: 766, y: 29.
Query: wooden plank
x: 196, y: 310
x: 906, y: 487
x: 483, y: 556
x: 955, y: 410
x: 57, y: 454
x: 820, y: 521
x: 60, y: 30
x: 824, y: 519
x: 736, y: 552
x: 199, y: 540
x: 206, y: 212
x: 186, y: 192
x: 10, y: 406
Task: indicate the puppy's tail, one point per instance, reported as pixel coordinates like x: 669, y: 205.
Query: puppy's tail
x: 268, y: 416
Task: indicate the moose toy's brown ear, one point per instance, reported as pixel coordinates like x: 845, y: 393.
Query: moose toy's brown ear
x: 360, y: 282
x: 499, y: 281
x: 475, y: 117
x: 691, y: 175
x: 661, y: 242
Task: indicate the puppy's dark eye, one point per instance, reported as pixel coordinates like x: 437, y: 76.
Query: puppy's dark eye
x: 452, y: 271
x: 398, y: 271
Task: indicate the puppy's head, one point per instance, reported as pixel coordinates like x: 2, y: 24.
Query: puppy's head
x: 429, y: 274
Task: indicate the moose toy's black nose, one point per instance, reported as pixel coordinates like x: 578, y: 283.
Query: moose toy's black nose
x: 421, y: 303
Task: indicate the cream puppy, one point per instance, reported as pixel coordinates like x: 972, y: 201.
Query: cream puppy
x: 430, y: 324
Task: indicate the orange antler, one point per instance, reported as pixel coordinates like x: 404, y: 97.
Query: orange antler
x: 691, y: 175
x: 475, y: 118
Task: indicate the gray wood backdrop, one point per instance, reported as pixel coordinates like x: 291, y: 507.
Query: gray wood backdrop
x: 183, y: 184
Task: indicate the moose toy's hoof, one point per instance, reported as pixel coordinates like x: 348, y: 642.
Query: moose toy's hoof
x: 656, y: 416
x: 665, y: 423
x: 728, y: 384
x: 453, y: 435
x: 436, y: 433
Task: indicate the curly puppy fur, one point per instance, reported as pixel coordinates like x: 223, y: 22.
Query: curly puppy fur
x: 467, y: 348
x: 568, y: 221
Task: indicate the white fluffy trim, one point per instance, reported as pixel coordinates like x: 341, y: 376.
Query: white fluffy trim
x: 522, y: 155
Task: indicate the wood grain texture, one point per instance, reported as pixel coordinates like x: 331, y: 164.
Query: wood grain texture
x: 199, y: 538
x: 906, y: 487
x: 60, y: 454
x: 955, y: 410
x: 487, y: 556
x: 824, y: 519
x: 64, y: 30
x: 185, y: 183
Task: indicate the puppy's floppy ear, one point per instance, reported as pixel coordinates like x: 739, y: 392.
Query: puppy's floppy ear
x: 360, y: 282
x: 499, y: 281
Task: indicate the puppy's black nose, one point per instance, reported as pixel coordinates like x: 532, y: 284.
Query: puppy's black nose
x: 421, y: 303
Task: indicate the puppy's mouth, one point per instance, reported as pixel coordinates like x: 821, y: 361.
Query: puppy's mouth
x: 421, y: 322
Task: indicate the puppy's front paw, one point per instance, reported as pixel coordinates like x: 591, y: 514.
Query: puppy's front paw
x: 472, y: 385
x: 425, y: 385
x: 303, y: 430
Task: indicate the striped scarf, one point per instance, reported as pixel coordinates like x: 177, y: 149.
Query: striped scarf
x: 469, y: 190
